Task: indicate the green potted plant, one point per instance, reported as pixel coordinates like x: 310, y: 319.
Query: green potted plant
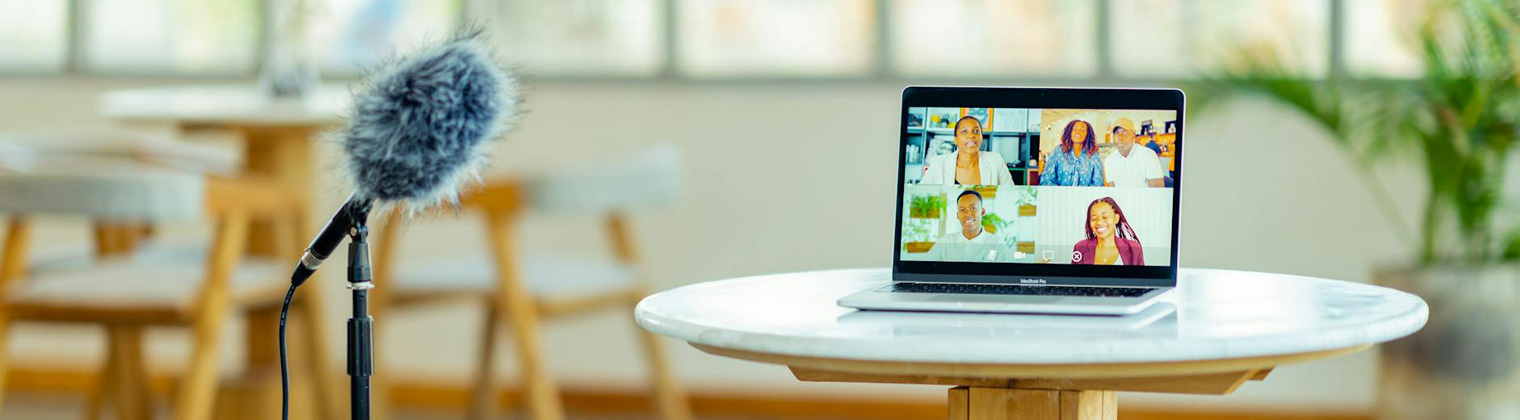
x: 928, y: 206
x: 992, y: 222
x: 923, y: 210
x: 1458, y: 121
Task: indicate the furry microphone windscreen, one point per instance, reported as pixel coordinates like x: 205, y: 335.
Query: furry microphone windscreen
x: 420, y: 124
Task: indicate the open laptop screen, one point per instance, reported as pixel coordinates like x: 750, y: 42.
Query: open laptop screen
x: 1038, y: 185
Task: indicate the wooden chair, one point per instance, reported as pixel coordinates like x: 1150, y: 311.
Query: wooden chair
x: 152, y: 287
x: 519, y: 292
x: 195, y: 151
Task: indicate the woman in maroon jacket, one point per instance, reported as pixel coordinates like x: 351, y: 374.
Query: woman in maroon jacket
x: 1110, y: 239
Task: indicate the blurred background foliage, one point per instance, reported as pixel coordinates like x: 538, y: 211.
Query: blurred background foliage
x: 1456, y: 119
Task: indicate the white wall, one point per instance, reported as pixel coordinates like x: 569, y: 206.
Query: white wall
x: 799, y: 176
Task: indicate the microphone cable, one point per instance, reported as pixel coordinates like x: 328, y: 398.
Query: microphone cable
x: 284, y: 363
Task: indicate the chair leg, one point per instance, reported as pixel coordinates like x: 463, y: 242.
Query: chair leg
x: 104, y: 390
x: 483, y: 399
x: 517, y: 308
x: 670, y: 399
x: 130, y: 378
x: 197, y: 390
x: 538, y: 386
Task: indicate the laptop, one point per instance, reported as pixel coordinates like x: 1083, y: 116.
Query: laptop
x: 1034, y: 200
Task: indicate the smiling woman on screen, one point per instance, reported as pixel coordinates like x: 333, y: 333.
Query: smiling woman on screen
x: 1110, y: 239
x: 1076, y: 162
x: 969, y: 165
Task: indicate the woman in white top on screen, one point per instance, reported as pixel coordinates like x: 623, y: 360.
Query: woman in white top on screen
x: 969, y: 165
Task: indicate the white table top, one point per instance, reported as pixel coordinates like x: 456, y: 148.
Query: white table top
x: 225, y: 104
x: 1219, y: 314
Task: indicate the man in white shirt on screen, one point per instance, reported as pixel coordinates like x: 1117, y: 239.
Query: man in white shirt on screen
x: 973, y: 242
x: 1130, y: 166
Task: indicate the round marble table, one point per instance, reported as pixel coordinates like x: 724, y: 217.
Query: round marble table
x: 1218, y: 330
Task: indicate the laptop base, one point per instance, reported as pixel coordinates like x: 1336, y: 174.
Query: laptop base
x: 887, y: 299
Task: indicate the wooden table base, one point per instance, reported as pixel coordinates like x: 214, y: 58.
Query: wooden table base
x: 1040, y: 398
x: 977, y: 403
x: 1039, y: 392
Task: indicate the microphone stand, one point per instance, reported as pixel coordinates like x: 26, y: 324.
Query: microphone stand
x: 361, y: 326
x: 352, y: 220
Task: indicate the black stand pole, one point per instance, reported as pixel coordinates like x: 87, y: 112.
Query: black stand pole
x: 360, y: 326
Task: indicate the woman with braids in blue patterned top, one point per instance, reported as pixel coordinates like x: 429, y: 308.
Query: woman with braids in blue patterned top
x: 1077, y: 163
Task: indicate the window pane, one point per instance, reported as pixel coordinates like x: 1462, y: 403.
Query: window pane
x: 351, y: 35
x: 775, y: 37
x: 994, y: 37
x: 33, y: 35
x: 170, y: 36
x: 1380, y: 37
x: 1180, y: 38
x: 578, y: 37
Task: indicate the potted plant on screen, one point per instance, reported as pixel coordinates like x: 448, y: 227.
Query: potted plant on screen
x: 924, y: 211
x: 1457, y: 121
x: 992, y: 222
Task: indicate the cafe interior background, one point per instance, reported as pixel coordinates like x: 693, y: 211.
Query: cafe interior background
x: 785, y: 117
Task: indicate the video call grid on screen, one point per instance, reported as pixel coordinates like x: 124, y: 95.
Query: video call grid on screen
x: 1044, y: 186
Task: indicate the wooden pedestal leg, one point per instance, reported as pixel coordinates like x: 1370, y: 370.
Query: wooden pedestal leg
x: 958, y: 405
x: 104, y: 390
x: 198, y: 388
x: 5, y: 333
x: 326, y: 386
x: 129, y: 376
x: 328, y: 391
x: 311, y: 370
x: 283, y: 153
x: 973, y: 403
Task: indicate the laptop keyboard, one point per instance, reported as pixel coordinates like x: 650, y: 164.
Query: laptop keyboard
x: 1015, y: 289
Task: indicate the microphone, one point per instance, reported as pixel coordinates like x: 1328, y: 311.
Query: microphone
x: 416, y: 134
x: 417, y: 131
x: 332, y: 234
x: 418, y: 125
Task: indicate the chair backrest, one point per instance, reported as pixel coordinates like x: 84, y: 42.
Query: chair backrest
x: 592, y: 187
x: 603, y: 186
x: 102, y: 188
x: 128, y: 192
x: 193, y: 151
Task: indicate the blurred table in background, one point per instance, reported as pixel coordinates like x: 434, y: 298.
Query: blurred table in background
x: 1225, y: 328
x: 277, y: 138
x: 277, y: 132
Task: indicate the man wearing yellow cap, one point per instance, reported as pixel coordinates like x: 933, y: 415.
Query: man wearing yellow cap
x: 1130, y: 166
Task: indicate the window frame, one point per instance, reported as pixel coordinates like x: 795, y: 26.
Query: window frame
x: 881, y: 68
